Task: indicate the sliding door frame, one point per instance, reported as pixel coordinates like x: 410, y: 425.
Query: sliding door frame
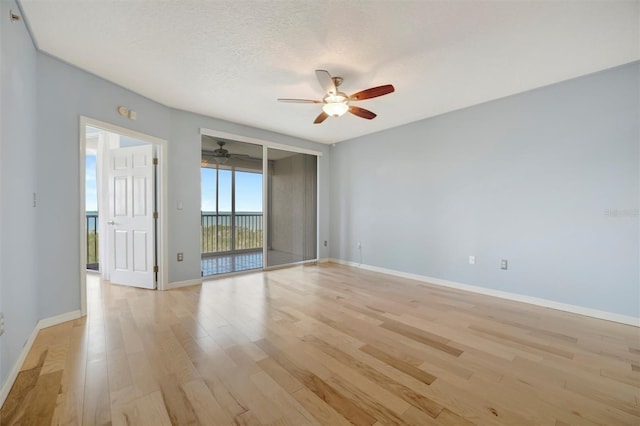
x: 265, y: 163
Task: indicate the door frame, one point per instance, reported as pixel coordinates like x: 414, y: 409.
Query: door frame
x: 265, y: 146
x: 162, y: 202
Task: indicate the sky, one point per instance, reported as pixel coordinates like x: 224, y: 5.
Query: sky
x: 91, y: 196
x: 248, y: 189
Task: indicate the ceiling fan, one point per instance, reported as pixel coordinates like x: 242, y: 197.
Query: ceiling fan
x: 222, y: 155
x: 336, y: 103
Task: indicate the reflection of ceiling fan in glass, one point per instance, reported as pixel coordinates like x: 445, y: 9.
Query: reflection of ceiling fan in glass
x: 222, y: 155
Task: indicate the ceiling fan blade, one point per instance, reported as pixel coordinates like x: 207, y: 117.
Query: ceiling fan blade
x: 323, y: 116
x: 361, y: 112
x: 326, y: 82
x: 373, y: 92
x: 299, y: 101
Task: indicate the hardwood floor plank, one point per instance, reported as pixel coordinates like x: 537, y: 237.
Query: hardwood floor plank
x: 280, y: 375
x: 525, y: 342
x: 447, y: 417
x: 318, y: 408
x: 152, y: 410
x: 123, y: 406
x: 629, y: 377
x: 175, y: 401
x: 21, y: 393
x: 243, y: 388
x: 230, y: 404
x: 324, y: 391
x: 421, y: 336
x: 70, y: 400
x: 421, y: 402
x: 43, y: 403
x: 596, y: 394
x: 97, y: 406
x: 205, y: 406
x: 398, y: 364
x: 415, y: 416
x: 294, y: 413
x: 325, y: 344
x: 366, y: 401
x: 554, y: 402
x: 404, y: 353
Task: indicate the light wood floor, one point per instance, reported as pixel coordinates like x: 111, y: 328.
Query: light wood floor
x: 325, y: 345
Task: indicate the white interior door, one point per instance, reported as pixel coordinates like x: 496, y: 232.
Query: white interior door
x: 130, y: 218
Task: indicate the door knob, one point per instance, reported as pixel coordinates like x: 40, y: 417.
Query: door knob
x: 111, y: 222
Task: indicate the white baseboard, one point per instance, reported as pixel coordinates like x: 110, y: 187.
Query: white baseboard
x: 324, y: 260
x: 595, y: 313
x: 185, y: 283
x: 58, y: 319
x: 43, y: 323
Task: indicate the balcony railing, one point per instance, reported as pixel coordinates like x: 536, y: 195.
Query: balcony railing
x: 227, y: 233
x: 219, y: 233
x: 93, y: 259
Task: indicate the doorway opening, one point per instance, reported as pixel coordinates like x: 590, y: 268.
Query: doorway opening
x: 123, y: 220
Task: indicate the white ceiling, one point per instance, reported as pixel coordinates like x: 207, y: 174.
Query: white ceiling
x: 232, y: 59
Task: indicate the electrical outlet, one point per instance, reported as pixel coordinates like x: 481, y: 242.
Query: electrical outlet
x: 472, y: 260
x: 1, y: 323
x: 359, y: 245
x: 504, y: 264
x: 180, y: 257
x: 325, y: 243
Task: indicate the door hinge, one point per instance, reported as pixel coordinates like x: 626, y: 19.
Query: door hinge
x: 155, y: 268
x: 155, y: 215
x: 155, y: 161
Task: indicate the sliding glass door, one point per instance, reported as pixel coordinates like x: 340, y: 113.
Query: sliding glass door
x: 259, y: 206
x: 231, y: 213
x: 292, y: 207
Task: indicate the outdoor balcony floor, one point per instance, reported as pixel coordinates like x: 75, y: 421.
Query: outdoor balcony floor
x: 226, y: 263
x: 236, y: 262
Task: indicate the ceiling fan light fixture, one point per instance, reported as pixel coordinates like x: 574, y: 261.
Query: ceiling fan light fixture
x: 335, y: 105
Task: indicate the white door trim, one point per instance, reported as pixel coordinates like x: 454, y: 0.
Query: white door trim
x: 162, y: 241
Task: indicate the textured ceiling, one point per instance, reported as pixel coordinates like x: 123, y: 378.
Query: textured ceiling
x: 232, y: 59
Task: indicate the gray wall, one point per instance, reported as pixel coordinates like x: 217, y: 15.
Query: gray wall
x: 19, y: 254
x: 43, y: 99
x: 528, y: 178
x: 65, y: 93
